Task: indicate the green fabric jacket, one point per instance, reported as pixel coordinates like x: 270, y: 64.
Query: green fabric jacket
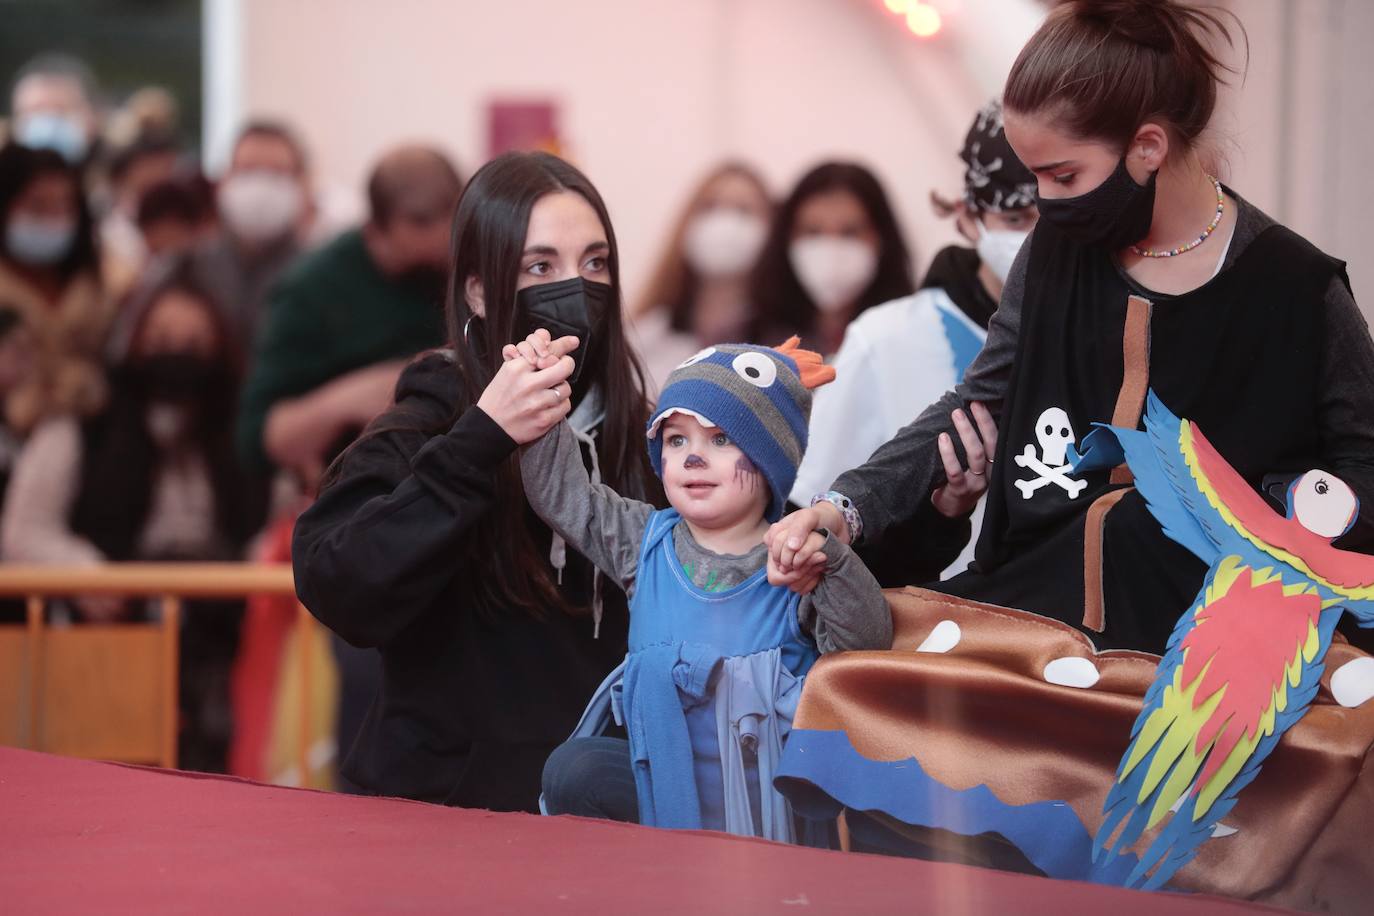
x: 332, y: 312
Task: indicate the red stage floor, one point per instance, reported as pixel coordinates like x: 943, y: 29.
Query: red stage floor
x: 77, y: 836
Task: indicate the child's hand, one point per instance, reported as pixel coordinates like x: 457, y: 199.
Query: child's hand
x: 804, y: 575
x: 527, y: 402
x: 539, y: 349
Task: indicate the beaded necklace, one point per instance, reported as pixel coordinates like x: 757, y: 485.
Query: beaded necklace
x: 1216, y: 221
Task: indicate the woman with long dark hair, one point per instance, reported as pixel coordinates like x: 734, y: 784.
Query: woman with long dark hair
x: 698, y: 296
x: 50, y: 272
x: 152, y: 474
x: 834, y: 250
x: 492, y: 633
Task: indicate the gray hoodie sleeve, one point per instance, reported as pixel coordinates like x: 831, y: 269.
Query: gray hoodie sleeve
x: 847, y: 611
x: 900, y: 476
x: 597, y: 522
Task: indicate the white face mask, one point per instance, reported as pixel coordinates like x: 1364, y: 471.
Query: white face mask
x: 723, y: 242
x: 260, y: 206
x: 833, y: 270
x: 998, y: 248
x: 39, y: 242
x: 55, y: 131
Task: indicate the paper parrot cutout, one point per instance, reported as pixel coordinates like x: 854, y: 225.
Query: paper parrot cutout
x: 1245, y: 660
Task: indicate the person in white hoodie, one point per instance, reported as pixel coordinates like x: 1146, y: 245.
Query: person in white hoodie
x: 900, y: 357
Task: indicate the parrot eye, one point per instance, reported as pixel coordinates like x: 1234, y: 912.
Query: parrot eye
x: 1323, y: 504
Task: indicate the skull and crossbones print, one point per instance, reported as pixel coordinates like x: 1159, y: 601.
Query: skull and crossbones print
x: 1055, y: 434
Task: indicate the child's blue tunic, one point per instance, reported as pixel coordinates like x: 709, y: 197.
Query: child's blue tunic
x: 707, y: 694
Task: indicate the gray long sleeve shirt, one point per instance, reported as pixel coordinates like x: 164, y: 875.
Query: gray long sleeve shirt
x: 846, y: 611
x: 900, y: 476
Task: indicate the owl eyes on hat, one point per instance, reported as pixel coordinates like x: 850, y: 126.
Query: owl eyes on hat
x: 756, y: 369
x: 693, y: 360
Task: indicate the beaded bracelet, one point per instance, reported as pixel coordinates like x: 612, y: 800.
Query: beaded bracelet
x: 852, y: 521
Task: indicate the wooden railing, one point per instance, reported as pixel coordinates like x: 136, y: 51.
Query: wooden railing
x: 171, y: 583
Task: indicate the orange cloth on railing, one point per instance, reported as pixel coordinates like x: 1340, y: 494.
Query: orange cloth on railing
x: 264, y: 685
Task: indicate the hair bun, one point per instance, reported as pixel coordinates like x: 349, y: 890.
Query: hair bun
x: 1152, y: 23
x: 1107, y: 66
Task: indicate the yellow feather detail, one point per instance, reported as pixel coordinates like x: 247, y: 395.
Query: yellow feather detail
x: 1313, y: 644
x: 1171, y: 732
x: 1296, y: 589
x: 1228, y: 571
x: 1234, y: 762
x: 1294, y: 672
x: 1181, y: 778
x: 1156, y: 724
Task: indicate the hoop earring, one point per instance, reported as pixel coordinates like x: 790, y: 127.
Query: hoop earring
x: 467, y: 337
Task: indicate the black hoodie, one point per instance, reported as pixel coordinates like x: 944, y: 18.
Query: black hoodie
x: 471, y: 704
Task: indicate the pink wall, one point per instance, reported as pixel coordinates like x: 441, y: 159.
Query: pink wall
x: 1298, y: 130
x: 654, y: 92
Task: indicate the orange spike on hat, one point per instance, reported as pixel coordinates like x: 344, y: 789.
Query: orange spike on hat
x: 811, y: 367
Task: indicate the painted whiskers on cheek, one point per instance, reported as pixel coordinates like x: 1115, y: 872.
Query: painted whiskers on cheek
x: 693, y: 463
x: 746, y: 475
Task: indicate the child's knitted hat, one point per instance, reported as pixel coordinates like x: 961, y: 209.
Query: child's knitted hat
x: 758, y: 396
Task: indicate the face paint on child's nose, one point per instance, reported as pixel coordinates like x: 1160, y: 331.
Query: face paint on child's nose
x: 694, y: 463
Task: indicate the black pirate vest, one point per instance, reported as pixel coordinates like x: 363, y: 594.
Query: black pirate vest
x: 1241, y: 355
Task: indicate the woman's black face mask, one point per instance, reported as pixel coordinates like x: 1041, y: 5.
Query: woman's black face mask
x: 575, y: 306
x: 1116, y: 213
x: 173, y: 376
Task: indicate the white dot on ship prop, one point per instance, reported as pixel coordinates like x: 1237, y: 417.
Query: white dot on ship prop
x: 1071, y: 671
x: 1353, y: 682
x: 944, y: 637
x: 1054, y: 432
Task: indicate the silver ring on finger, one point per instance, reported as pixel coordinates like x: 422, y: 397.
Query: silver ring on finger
x: 977, y: 473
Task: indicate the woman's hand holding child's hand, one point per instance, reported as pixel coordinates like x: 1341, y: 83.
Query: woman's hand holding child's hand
x: 794, y: 555
x: 540, y: 350
x: 803, y: 577
x: 529, y: 393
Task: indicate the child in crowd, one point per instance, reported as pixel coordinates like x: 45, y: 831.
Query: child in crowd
x: 716, y: 654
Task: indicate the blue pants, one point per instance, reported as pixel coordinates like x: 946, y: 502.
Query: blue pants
x: 592, y: 777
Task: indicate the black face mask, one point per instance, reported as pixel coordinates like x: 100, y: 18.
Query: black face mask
x: 1116, y: 213
x: 176, y: 377
x: 573, y: 306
